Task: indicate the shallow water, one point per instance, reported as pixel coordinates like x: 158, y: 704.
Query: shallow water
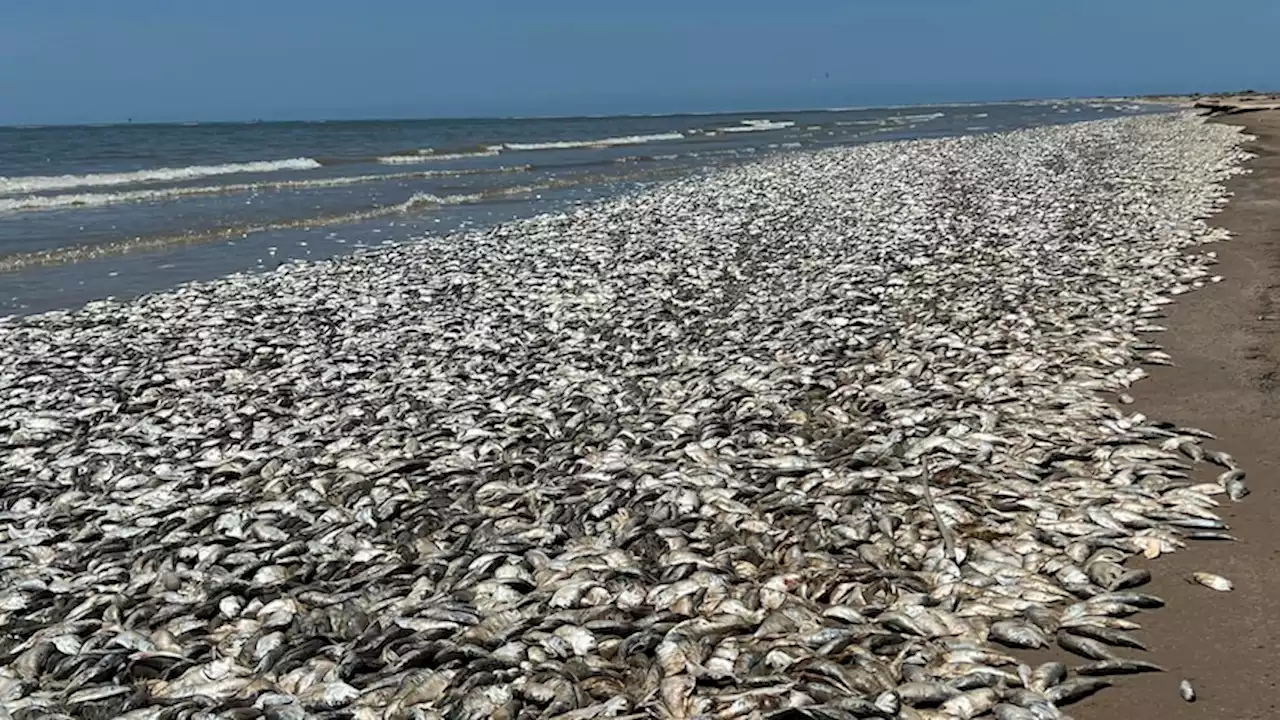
x: 91, y: 212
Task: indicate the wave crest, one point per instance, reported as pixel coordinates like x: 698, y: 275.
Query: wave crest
x: 424, y: 156
x: 39, y: 183
x: 597, y: 143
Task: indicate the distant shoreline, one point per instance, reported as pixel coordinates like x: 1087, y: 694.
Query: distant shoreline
x: 1218, y: 102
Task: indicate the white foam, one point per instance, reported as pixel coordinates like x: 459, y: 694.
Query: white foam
x: 39, y: 183
x: 758, y: 126
x: 598, y: 143
x: 90, y: 200
x: 427, y: 199
x: 424, y: 157
x: 899, y: 119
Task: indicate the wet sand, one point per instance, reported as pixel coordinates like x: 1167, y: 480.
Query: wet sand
x: 1225, y: 341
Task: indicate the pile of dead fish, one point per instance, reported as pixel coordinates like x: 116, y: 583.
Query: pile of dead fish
x: 830, y: 435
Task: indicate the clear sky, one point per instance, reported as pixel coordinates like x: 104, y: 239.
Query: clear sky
x: 109, y: 60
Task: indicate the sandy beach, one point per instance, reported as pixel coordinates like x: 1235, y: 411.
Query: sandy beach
x: 1224, y: 342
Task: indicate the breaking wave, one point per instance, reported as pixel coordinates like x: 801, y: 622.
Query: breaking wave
x: 40, y: 183
x: 598, y: 143
x: 916, y: 118
x: 417, y: 202
x: 433, y: 155
x: 89, y: 200
x: 79, y: 253
x: 757, y: 126
x: 428, y: 200
x: 423, y: 156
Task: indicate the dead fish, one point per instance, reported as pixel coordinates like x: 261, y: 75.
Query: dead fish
x: 1209, y: 535
x: 970, y: 704
x: 1107, y: 635
x: 97, y: 693
x: 1099, y: 608
x: 1118, y: 667
x: 1018, y: 633
x: 1233, y: 481
x: 328, y: 696
x: 925, y: 693
x: 889, y: 703
x: 1005, y: 711
x: 1144, y: 601
x: 1217, y: 457
x: 1197, y: 432
x: 1083, y: 646
x: 1046, y: 675
x: 1213, y: 582
x: 1229, y: 476
x: 1075, y: 689
x: 1186, y: 446
x: 1112, y: 576
x: 1194, y: 524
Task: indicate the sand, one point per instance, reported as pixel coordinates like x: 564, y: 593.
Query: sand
x: 1225, y: 340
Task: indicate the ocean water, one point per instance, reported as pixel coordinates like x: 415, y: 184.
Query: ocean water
x: 89, y: 212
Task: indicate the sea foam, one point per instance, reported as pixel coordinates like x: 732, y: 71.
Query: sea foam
x: 100, y: 199
x: 597, y: 143
x: 758, y: 126
x: 40, y: 183
x: 424, y: 156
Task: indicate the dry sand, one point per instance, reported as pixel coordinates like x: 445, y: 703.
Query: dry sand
x: 1225, y: 340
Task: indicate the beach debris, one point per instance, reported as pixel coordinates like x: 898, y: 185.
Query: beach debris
x: 1186, y: 691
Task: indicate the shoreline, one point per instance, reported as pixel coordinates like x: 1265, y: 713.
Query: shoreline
x: 670, y: 439
x: 73, y: 232
x: 1224, y: 343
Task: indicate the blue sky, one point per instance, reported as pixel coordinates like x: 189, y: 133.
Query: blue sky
x: 166, y: 60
